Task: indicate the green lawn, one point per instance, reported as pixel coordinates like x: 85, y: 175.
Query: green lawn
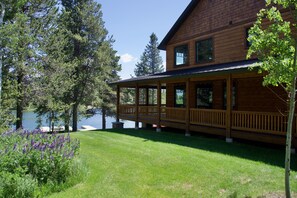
x: 131, y: 163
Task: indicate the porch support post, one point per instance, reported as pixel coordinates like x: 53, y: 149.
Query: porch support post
x: 136, y: 106
x: 118, y: 104
x: 159, y: 106
x: 229, y: 108
x: 188, y: 108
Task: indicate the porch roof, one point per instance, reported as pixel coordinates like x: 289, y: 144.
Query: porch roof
x: 191, y: 72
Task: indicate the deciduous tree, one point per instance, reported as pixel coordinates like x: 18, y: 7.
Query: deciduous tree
x: 274, y: 41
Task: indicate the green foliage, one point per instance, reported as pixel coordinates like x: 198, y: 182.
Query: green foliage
x: 28, y: 156
x: 14, y: 185
x: 274, y: 46
x: 91, y: 52
x: 150, y: 60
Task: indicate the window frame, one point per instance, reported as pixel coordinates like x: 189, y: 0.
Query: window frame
x: 196, y: 51
x: 175, y: 53
x: 201, y: 86
x: 181, y: 87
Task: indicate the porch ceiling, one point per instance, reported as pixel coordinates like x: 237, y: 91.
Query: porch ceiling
x: 224, y: 68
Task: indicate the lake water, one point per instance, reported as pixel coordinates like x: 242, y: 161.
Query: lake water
x: 29, y: 121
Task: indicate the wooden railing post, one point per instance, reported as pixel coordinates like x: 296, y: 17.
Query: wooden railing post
x: 188, y: 108
x: 118, y: 104
x: 136, y: 106
x: 229, y: 108
x: 159, y: 106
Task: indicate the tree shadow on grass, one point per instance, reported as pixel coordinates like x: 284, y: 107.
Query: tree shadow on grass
x: 269, y: 154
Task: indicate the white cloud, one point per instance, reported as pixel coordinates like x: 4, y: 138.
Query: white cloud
x: 127, y: 58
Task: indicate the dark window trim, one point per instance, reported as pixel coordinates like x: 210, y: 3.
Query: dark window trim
x: 187, y: 63
x: 213, y: 51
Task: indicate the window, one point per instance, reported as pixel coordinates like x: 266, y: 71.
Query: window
x: 233, y: 96
x: 181, y: 55
x: 204, y: 96
x: 179, y: 96
x: 204, y: 50
x: 247, y: 43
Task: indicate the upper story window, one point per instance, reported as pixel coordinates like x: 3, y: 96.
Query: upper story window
x: 181, y: 55
x: 204, y: 50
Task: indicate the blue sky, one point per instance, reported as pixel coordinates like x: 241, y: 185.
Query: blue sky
x: 131, y: 23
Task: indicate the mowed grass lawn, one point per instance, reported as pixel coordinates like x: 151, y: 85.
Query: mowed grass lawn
x: 140, y: 163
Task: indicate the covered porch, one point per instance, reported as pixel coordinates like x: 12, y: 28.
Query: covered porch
x: 231, y: 103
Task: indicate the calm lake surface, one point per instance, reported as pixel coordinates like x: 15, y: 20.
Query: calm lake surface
x: 29, y: 121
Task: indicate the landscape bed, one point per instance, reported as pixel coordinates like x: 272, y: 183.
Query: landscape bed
x: 142, y: 163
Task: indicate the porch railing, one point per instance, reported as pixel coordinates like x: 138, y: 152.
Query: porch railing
x: 265, y: 122
x: 260, y: 122
x: 148, y: 112
x: 173, y: 114
x: 208, y: 117
x: 127, y: 109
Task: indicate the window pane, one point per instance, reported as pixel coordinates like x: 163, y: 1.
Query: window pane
x: 180, y: 96
x: 204, y: 96
x: 204, y: 50
x: 181, y: 55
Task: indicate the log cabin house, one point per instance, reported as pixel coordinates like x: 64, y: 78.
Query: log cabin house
x: 207, y: 86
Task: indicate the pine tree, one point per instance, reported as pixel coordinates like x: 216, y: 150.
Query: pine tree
x: 150, y: 61
x: 53, y: 84
x: 91, y: 49
x: 23, y: 48
x: 8, y: 10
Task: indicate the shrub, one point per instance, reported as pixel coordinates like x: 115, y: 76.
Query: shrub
x: 45, y: 157
x: 14, y: 185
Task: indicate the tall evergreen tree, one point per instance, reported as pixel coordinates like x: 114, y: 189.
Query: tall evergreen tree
x: 91, y: 50
x: 150, y: 61
x: 53, y: 82
x: 24, y: 49
x: 8, y: 11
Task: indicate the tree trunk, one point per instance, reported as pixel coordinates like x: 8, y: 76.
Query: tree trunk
x: 52, y: 122
x: 289, y: 139
x: 74, y: 116
x: 103, y: 118
x: 66, y: 120
x: 20, y: 101
x: 2, y: 13
x: 19, y: 113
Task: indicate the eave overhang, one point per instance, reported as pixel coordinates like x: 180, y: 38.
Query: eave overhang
x: 211, y: 70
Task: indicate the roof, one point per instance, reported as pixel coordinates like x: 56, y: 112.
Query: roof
x: 191, y: 72
x: 178, y: 23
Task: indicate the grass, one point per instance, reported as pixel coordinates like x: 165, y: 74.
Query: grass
x: 130, y: 163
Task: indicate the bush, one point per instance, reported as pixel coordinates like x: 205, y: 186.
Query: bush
x: 44, y: 157
x: 13, y: 185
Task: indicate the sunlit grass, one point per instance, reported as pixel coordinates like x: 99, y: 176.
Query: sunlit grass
x: 130, y: 163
